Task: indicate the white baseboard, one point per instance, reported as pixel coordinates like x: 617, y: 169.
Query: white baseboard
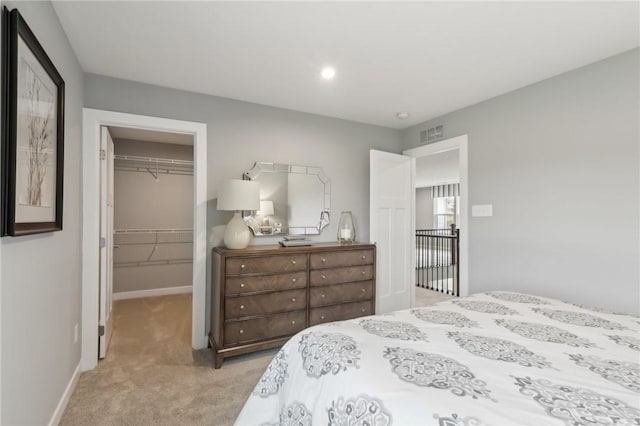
x: 152, y: 292
x: 62, y: 404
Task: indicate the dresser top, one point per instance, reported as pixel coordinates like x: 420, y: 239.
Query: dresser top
x: 277, y: 248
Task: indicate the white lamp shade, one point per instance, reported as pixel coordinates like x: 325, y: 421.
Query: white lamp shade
x: 236, y: 194
x: 266, y: 208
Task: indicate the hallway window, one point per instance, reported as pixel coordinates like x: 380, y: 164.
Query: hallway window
x: 446, y: 211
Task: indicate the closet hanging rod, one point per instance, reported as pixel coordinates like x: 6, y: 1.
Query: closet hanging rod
x: 156, y: 171
x: 164, y: 243
x: 152, y: 263
x: 153, y: 160
x: 154, y: 231
x: 153, y: 165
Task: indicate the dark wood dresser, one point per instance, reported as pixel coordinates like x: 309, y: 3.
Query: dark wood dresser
x: 262, y: 295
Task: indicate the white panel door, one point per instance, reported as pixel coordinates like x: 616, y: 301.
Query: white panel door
x: 105, y: 320
x: 392, y: 224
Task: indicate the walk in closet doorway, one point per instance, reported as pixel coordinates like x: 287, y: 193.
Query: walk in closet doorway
x: 95, y: 123
x: 152, y: 239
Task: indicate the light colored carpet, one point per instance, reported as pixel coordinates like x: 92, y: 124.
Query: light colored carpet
x: 426, y: 297
x: 151, y: 375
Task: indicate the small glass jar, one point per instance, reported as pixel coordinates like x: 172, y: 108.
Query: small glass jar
x: 346, y: 228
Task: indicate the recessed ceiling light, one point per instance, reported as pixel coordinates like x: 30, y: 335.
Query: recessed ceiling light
x: 402, y: 115
x: 328, y: 73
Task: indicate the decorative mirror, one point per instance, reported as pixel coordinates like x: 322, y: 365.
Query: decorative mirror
x: 293, y: 200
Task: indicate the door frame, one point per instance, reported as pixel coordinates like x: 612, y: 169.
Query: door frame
x: 93, y: 119
x: 461, y: 143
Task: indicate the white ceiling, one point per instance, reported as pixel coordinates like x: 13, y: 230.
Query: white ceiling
x: 438, y: 169
x: 425, y: 58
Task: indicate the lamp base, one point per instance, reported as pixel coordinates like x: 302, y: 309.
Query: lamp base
x: 237, y: 235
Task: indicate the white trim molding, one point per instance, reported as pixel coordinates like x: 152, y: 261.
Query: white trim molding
x: 93, y: 119
x: 461, y: 143
x: 66, y: 396
x: 152, y: 292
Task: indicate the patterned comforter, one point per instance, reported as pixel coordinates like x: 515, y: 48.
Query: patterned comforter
x: 494, y: 358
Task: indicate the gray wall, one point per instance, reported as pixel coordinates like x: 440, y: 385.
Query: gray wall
x: 41, y: 274
x: 559, y: 161
x: 240, y: 133
x: 141, y: 202
x: 424, y: 208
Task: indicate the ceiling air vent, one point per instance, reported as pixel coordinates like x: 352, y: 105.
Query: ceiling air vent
x: 432, y: 134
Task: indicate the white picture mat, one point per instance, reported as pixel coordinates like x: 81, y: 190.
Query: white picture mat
x: 29, y: 68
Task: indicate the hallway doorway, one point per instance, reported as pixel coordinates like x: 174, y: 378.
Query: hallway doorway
x: 441, y: 253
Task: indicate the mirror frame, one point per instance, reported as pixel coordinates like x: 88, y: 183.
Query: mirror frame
x: 261, y: 167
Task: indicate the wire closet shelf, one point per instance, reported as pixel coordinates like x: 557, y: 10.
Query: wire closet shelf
x: 154, y: 166
x: 170, y: 246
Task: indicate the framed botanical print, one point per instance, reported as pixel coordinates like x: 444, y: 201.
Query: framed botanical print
x: 32, y: 132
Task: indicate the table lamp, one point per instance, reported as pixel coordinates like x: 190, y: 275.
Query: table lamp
x: 237, y: 195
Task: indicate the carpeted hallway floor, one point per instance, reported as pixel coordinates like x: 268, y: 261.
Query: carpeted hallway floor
x: 152, y: 377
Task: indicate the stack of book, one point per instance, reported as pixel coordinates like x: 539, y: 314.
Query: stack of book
x: 295, y: 241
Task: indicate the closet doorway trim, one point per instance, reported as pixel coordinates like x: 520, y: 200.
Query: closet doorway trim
x: 93, y: 119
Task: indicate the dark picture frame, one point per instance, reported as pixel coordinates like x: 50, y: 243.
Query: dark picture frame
x: 32, y: 132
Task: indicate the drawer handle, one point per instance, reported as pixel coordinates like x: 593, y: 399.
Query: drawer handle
x: 294, y: 262
x: 363, y: 290
x: 242, y: 306
x: 324, y: 260
x: 364, y: 257
x: 293, y: 323
x: 241, y: 331
x: 321, y: 316
x: 324, y: 276
x: 294, y: 280
x: 364, y: 272
x: 241, y: 285
x: 293, y: 299
x: 362, y: 310
x: 322, y: 295
x: 242, y: 266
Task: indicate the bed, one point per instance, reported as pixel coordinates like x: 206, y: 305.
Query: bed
x: 497, y: 358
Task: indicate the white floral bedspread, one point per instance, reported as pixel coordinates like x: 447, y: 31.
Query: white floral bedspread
x: 496, y: 358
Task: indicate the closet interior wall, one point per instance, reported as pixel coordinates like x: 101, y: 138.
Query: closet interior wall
x: 153, y: 217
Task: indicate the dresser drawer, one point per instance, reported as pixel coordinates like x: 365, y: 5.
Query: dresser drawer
x: 261, y: 296
x: 252, y: 284
x: 264, y: 328
x: 268, y: 303
x: 266, y: 264
x: 341, y: 258
x: 341, y: 275
x: 340, y: 312
x: 340, y: 293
